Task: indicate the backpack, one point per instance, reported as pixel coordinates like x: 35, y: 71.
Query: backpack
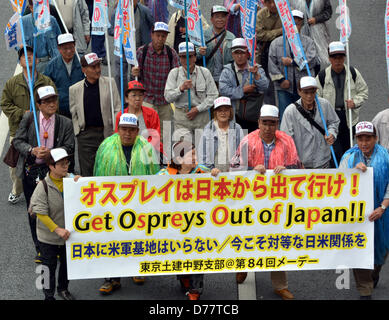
x: 322, y: 75
x: 169, y: 53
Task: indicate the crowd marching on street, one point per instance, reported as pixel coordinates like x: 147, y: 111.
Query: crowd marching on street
x: 184, y: 109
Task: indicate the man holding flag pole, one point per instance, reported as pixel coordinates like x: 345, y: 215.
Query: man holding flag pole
x: 300, y: 59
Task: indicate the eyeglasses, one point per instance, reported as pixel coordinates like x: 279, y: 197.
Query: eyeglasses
x: 49, y: 100
x: 184, y: 56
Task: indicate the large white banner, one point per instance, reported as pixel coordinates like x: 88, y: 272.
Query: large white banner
x: 242, y: 221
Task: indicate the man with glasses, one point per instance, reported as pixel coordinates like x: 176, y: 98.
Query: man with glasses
x: 65, y: 70
x: 203, y: 92
x: 303, y: 122
x: 55, y: 131
x: 15, y: 102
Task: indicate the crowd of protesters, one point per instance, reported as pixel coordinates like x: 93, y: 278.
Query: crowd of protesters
x: 269, y: 115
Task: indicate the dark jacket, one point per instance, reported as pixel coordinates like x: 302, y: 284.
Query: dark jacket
x: 25, y: 138
x: 57, y: 71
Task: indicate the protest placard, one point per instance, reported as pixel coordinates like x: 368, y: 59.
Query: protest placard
x: 242, y: 221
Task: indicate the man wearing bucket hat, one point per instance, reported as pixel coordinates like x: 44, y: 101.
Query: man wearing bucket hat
x: 368, y: 153
x: 125, y: 153
x: 283, y: 71
x: 65, y: 70
x: 332, y: 86
x: 203, y: 92
x: 90, y: 106
x: 303, y: 122
x: 54, y: 131
x: 263, y: 149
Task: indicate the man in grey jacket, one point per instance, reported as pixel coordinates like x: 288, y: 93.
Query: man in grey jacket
x: 283, y: 70
x: 302, y: 121
x: 54, y: 131
x: 75, y: 14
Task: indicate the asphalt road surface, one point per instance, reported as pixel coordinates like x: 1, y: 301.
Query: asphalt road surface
x: 18, y: 271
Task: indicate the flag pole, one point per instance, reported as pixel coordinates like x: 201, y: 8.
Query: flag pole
x: 254, y: 42
x: 350, y: 117
x: 121, y: 55
x: 32, y: 101
x: 187, y: 53
x: 109, y: 64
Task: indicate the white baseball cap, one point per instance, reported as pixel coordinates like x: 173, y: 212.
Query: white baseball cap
x: 46, y: 92
x: 336, y: 47
x: 298, y: 14
x: 128, y: 120
x: 182, y: 47
x: 308, y: 82
x: 221, y: 101
x: 238, y: 44
x: 65, y: 38
x: 364, y: 128
x: 58, y: 154
x: 161, y: 26
x: 89, y: 59
x: 216, y: 9
x: 269, y: 112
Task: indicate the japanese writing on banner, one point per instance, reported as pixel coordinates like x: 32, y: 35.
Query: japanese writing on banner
x: 125, y: 25
x: 241, y: 221
x: 100, y: 21
x: 345, y: 22
x: 291, y: 31
x: 194, y: 23
x: 12, y: 32
x: 18, y: 4
x: 248, y: 18
x: 41, y: 16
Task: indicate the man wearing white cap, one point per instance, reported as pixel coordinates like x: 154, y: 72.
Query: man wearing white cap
x: 332, y: 86
x: 283, y: 71
x: 263, y: 149
x: 218, y: 42
x: 246, y: 97
x: 156, y: 60
x: 303, y: 122
x: 15, y: 102
x: 125, y: 153
x: 54, y: 131
x: 203, y: 92
x: 90, y: 106
x: 65, y: 70
x: 368, y: 153
x: 76, y: 17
